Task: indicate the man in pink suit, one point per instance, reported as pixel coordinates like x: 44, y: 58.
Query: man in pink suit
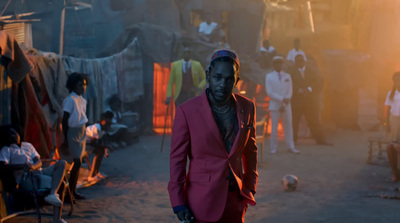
x: 216, y: 131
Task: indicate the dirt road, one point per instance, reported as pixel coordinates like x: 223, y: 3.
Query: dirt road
x: 336, y: 185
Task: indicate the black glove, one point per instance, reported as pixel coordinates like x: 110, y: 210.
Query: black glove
x: 185, y: 215
x: 167, y: 101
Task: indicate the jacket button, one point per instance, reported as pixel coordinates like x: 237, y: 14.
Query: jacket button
x: 241, y: 111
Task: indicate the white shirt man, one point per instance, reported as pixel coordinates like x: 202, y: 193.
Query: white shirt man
x: 14, y: 154
x: 27, y: 154
x: 293, y: 53
x: 279, y: 88
x: 93, y: 132
x: 270, y: 49
x: 186, y: 65
x: 394, y: 104
x: 207, y: 28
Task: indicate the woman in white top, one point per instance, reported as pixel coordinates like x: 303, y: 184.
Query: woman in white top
x: 393, y: 125
x: 74, y: 125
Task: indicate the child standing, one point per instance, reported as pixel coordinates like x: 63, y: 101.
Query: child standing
x: 74, y: 125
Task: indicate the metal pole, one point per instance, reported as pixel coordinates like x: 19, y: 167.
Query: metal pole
x: 310, y: 16
x: 165, y: 126
x: 61, y: 47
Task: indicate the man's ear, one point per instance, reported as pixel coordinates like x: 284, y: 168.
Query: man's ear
x: 237, y: 78
x: 237, y: 81
x: 208, y: 72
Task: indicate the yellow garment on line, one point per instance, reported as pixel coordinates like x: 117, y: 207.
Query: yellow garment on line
x: 175, y: 77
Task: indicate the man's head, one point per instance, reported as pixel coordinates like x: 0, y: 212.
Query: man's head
x: 396, y: 80
x: 106, y: 120
x: 223, y: 75
x: 296, y: 43
x: 208, y: 18
x: 9, y: 136
x: 187, y: 53
x: 266, y: 44
x: 277, y: 63
x: 299, y: 61
x: 77, y: 82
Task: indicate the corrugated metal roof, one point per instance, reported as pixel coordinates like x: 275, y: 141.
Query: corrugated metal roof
x: 17, y: 30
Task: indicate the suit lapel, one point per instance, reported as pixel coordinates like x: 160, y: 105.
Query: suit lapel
x: 242, y: 123
x: 180, y: 72
x: 195, y: 77
x: 242, y: 117
x: 209, y: 120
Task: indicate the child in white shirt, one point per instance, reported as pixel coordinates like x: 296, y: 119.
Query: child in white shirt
x: 95, y: 144
x: 74, y: 125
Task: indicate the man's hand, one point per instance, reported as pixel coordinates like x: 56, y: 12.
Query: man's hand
x: 185, y: 216
x: 106, y: 152
x: 167, y: 101
x: 28, y: 167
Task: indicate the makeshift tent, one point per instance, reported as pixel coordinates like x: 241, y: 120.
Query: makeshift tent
x: 38, y: 93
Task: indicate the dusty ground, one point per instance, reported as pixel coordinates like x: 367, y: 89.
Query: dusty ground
x: 336, y: 185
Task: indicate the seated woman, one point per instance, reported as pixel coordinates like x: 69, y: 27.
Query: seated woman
x: 118, y: 132
x: 22, y: 157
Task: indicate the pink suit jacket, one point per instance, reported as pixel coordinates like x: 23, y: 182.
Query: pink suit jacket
x: 195, y: 135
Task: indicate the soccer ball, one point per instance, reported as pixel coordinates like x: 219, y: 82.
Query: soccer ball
x: 289, y: 182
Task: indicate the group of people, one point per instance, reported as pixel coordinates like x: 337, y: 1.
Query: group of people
x: 214, y: 130
x: 292, y: 96
x: 268, y: 52
x: 79, y: 141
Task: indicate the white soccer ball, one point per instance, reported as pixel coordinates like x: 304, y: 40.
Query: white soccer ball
x: 289, y: 182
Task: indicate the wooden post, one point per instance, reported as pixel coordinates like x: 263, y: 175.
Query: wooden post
x: 61, y: 47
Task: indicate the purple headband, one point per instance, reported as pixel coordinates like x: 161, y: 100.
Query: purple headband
x: 225, y: 53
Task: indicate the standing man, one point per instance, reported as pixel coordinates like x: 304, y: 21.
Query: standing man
x: 279, y: 90
x: 267, y: 48
x: 216, y: 132
x: 188, y: 77
x: 296, y: 51
x: 307, y: 87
